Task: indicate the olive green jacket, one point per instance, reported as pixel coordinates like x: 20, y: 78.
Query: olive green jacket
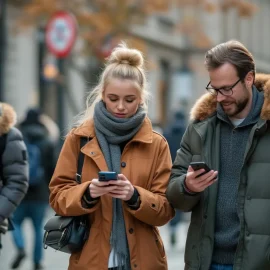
x: 201, y: 143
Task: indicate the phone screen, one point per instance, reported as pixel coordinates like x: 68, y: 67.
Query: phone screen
x: 200, y: 165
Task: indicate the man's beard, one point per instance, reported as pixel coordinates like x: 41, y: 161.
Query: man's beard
x: 239, y: 105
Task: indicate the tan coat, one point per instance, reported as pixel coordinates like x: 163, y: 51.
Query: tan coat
x: 146, y: 162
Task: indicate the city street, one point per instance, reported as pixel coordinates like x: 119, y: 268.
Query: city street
x: 59, y: 261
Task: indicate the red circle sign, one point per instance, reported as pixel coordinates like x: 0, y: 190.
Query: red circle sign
x: 61, y: 33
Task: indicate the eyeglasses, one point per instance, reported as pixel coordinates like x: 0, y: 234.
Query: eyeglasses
x: 225, y: 91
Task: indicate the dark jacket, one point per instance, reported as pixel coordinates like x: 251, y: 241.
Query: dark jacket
x: 174, y: 133
x: 38, y: 133
x: 201, y: 143
x: 14, y: 166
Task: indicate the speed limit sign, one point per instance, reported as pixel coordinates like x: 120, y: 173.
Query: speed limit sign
x: 61, y: 33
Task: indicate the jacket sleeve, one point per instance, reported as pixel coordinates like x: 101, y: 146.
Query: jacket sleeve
x: 154, y: 208
x: 175, y: 193
x: 15, y: 174
x: 65, y: 193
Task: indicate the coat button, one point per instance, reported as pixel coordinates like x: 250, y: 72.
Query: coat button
x: 135, y: 265
x: 123, y: 164
x: 131, y: 230
x: 153, y: 205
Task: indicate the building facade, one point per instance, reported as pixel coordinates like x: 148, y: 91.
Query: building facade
x: 176, y: 75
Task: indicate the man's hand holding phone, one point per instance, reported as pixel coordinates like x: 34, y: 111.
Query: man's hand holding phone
x: 198, y: 180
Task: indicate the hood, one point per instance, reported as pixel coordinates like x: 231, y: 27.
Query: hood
x: 34, y: 132
x: 206, y: 105
x: 8, y: 118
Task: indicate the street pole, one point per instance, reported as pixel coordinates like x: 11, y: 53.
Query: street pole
x: 60, y: 95
x: 3, y: 36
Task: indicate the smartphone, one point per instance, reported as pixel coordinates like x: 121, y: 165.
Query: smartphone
x: 107, y: 176
x: 200, y: 165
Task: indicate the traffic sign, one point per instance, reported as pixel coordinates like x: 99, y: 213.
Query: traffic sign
x: 61, y: 32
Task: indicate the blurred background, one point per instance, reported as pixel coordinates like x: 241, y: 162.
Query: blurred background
x: 52, y: 52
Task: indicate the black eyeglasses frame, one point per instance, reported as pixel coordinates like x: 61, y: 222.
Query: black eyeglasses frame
x: 215, y: 91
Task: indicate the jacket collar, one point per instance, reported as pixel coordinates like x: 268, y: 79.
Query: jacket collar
x: 206, y: 105
x: 144, y: 135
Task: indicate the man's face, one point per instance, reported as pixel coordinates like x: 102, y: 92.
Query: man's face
x: 238, y: 104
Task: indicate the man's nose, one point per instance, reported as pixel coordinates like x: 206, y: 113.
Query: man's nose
x: 220, y: 97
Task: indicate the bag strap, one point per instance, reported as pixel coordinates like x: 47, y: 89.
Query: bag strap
x: 83, y: 141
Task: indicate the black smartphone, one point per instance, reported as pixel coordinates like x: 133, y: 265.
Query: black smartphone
x: 107, y: 176
x: 200, y: 165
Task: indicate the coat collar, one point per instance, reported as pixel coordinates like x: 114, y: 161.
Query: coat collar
x: 144, y: 135
x: 206, y: 105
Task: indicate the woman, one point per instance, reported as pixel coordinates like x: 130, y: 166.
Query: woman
x: 123, y: 213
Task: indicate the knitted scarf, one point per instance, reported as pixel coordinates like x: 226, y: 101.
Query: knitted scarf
x: 112, y: 131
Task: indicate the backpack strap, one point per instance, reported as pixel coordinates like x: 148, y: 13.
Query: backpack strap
x: 83, y: 141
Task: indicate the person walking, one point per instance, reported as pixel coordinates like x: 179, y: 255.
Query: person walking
x: 173, y: 134
x: 41, y: 158
x: 13, y: 167
x: 123, y: 213
x: 229, y: 131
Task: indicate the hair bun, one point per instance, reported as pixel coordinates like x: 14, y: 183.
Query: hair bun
x: 123, y: 55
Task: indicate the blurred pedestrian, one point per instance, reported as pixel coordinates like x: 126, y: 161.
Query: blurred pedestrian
x: 230, y: 132
x: 13, y: 167
x: 41, y: 158
x: 123, y: 213
x: 173, y: 134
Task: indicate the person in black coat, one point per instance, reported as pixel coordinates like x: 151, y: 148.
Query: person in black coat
x: 41, y: 156
x: 173, y: 134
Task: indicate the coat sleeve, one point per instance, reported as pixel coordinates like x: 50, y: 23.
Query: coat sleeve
x: 15, y: 174
x: 175, y: 191
x: 65, y: 193
x: 154, y: 208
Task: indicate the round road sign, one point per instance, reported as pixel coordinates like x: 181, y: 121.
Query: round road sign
x: 61, y: 33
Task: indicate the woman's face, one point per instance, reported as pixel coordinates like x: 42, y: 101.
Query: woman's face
x: 122, y: 98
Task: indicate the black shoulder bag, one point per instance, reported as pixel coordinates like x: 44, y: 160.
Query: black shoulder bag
x: 64, y: 233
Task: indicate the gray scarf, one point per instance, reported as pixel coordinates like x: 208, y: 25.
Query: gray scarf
x: 112, y: 131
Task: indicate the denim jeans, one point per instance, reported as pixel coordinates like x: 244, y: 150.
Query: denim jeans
x: 215, y: 266
x: 36, y: 212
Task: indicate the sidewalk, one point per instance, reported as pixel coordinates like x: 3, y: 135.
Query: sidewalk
x: 59, y: 261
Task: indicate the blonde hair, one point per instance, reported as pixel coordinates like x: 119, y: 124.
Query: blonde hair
x: 123, y: 63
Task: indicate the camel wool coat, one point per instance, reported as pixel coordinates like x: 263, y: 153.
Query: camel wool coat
x: 146, y: 162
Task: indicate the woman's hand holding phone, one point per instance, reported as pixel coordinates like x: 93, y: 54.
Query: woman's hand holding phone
x: 198, y: 181
x: 120, y: 189
x: 123, y: 188
x: 99, y: 188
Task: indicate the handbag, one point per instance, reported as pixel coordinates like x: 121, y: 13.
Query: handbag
x: 68, y: 233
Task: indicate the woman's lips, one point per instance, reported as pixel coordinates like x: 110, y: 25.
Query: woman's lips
x: 120, y: 115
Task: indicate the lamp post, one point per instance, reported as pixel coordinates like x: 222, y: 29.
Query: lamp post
x: 3, y: 35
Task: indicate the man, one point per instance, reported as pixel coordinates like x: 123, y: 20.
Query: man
x: 230, y: 223
x: 13, y: 166
x: 41, y: 158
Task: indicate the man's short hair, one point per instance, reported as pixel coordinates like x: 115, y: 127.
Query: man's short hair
x: 233, y: 52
